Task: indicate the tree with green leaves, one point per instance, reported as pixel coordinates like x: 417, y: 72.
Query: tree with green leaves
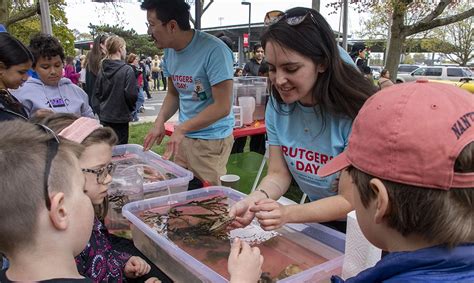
x: 22, y: 20
x: 400, y: 19
x: 138, y: 44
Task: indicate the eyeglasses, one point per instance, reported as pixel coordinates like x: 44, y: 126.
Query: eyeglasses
x: 275, y: 16
x: 102, y: 173
x: 52, y: 149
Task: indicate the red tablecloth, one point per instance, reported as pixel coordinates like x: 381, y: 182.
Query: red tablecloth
x: 256, y: 128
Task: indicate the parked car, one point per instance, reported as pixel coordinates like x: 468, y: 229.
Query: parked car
x: 407, y: 68
x: 376, y: 70
x: 436, y: 73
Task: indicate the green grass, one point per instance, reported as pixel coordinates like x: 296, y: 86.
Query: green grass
x: 243, y: 164
x: 138, y: 132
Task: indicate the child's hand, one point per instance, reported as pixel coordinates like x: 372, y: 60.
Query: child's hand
x: 136, y: 267
x: 245, y: 262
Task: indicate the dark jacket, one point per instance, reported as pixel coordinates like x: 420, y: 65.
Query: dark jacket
x: 251, y: 68
x: 116, y: 91
x: 435, y: 264
x: 10, y: 107
x: 89, y: 88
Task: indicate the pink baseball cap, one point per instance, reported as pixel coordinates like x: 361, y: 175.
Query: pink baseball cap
x: 411, y: 133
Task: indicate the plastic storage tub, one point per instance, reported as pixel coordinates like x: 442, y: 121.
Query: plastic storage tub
x: 255, y: 87
x: 164, y: 167
x: 181, y: 266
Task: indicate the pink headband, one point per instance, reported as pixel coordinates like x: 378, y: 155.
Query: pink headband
x: 80, y: 129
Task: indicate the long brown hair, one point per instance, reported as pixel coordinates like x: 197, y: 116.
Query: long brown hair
x: 95, y: 56
x: 341, y: 89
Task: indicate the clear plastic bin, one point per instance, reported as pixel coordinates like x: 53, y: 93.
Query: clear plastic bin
x: 315, y: 239
x: 255, y: 87
x: 173, y: 176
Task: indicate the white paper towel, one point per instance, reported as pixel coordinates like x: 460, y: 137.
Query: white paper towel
x: 360, y: 253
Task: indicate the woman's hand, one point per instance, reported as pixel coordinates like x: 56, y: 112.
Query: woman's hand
x: 270, y: 214
x: 242, y: 213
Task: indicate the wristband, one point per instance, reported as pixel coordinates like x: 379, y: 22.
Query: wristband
x: 265, y: 193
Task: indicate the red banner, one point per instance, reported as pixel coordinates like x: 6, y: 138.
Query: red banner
x: 246, y: 40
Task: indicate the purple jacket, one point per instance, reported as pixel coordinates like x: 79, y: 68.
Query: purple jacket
x: 98, y: 261
x: 70, y: 73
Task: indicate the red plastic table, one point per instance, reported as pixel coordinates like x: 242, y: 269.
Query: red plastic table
x: 256, y: 128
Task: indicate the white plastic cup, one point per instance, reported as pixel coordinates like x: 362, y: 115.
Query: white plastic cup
x: 248, y: 107
x: 231, y: 181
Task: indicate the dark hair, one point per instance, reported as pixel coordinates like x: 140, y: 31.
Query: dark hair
x: 356, y: 48
x: 384, y: 72
x: 167, y: 10
x: 439, y: 216
x: 227, y: 40
x: 366, y: 70
x: 12, y: 51
x: 237, y: 70
x: 256, y: 46
x: 341, y: 89
x: 95, y: 56
x: 46, y: 46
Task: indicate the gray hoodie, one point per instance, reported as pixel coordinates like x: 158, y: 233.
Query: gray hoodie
x: 64, y: 98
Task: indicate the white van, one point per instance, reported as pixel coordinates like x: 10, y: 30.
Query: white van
x: 449, y: 73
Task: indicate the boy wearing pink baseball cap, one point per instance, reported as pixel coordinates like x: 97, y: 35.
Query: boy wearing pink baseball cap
x: 411, y: 160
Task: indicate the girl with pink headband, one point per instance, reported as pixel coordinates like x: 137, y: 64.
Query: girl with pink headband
x: 106, y: 258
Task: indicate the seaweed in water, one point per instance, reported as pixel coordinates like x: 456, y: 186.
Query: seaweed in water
x: 185, y: 223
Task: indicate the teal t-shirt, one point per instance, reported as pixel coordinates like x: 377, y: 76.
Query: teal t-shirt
x: 205, y: 62
x: 307, y: 144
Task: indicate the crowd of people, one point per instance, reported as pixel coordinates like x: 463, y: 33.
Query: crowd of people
x: 402, y: 157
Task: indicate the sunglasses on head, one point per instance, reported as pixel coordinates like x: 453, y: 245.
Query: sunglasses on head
x: 52, y: 146
x: 102, y: 173
x: 275, y: 16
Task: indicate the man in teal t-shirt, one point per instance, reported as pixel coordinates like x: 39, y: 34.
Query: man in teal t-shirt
x: 198, y: 67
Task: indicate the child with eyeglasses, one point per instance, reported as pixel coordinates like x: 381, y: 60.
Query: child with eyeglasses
x: 45, y: 216
x: 316, y: 92
x: 101, y: 260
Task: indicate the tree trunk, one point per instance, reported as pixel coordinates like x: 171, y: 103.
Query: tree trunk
x: 3, y: 12
x: 396, y: 43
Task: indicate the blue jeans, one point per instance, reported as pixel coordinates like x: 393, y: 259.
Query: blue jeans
x: 139, y: 104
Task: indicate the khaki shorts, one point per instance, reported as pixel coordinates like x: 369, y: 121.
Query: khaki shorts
x: 207, y: 159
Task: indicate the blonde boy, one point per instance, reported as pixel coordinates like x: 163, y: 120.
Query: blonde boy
x: 45, y: 216
x: 411, y: 160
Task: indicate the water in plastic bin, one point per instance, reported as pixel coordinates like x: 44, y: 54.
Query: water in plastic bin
x: 126, y: 186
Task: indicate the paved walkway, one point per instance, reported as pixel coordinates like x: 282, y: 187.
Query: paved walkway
x: 152, y: 108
